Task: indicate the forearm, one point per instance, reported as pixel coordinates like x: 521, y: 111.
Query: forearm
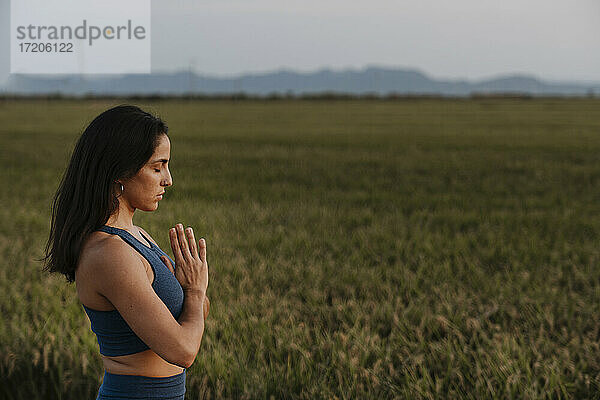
x: 191, y: 319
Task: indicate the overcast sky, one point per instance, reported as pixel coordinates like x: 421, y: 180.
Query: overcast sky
x: 473, y: 39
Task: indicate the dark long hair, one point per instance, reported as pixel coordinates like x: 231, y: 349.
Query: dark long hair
x: 115, y: 145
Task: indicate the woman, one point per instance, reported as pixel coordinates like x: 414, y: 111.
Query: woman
x: 147, y: 311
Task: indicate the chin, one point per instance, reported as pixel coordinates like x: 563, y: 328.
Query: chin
x: 152, y: 207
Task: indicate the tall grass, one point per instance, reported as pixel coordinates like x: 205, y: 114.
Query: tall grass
x: 358, y: 249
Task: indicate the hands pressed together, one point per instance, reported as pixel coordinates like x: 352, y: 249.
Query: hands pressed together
x: 191, y: 267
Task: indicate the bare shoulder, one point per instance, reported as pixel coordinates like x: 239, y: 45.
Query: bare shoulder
x: 104, y: 260
x: 146, y: 234
x: 106, y: 256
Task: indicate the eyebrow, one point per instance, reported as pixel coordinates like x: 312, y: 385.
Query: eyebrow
x: 162, y: 160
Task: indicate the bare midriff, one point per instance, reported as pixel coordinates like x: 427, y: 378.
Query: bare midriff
x: 145, y: 363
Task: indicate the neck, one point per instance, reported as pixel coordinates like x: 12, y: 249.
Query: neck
x: 123, y: 217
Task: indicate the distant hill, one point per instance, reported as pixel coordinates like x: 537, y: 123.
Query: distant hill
x: 372, y: 80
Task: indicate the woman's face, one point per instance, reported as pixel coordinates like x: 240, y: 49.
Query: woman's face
x: 144, y: 189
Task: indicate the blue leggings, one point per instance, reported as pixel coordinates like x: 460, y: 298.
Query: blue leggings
x: 124, y: 387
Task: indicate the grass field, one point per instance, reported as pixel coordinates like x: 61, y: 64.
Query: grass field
x: 419, y: 249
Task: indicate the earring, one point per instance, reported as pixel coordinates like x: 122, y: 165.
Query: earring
x: 122, y: 188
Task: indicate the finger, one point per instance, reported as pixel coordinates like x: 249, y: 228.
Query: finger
x: 191, y: 241
x: 185, y: 251
x: 167, y: 263
x: 206, y: 307
x: 175, y: 246
x: 202, y: 248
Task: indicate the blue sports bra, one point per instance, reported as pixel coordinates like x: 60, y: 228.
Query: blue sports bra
x: 115, y: 337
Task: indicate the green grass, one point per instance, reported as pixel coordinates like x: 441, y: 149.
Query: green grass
x: 417, y: 249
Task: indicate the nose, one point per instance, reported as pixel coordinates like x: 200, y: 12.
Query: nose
x: 169, y: 180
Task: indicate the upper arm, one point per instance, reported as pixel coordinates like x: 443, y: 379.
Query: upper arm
x: 122, y: 279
